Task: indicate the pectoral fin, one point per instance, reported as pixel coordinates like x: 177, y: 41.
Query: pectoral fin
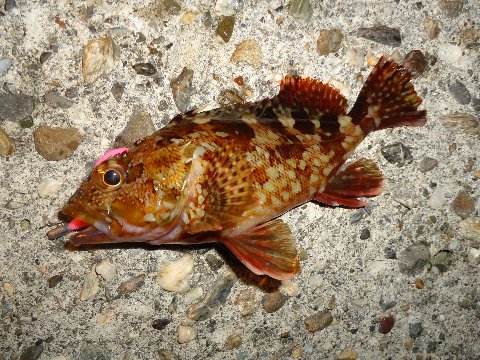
x: 224, y: 192
x: 359, y: 179
x: 268, y: 249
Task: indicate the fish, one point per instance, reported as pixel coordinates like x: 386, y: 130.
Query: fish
x: 226, y: 175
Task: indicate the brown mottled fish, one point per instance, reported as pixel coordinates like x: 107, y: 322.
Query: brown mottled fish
x: 226, y: 175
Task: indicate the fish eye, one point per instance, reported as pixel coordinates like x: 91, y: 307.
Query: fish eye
x: 112, y: 177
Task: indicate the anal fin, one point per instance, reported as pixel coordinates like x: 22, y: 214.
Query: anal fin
x: 268, y: 249
x: 359, y: 179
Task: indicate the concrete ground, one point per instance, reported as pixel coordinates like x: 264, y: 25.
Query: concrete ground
x: 396, y: 280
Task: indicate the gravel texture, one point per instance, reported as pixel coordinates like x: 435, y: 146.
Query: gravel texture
x: 398, y: 279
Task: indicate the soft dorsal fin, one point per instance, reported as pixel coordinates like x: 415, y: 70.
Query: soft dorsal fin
x: 305, y: 93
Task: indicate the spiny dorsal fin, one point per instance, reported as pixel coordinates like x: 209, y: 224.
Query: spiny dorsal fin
x: 306, y: 93
x: 224, y: 192
x: 267, y: 249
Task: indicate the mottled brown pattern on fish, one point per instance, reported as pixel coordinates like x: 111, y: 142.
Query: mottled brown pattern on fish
x: 231, y: 172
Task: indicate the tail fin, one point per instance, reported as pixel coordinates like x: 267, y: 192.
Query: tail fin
x: 387, y: 99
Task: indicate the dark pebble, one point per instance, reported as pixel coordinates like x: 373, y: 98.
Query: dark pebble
x: 213, y: 262
x: 442, y: 260
x: 145, y: 69
x: 160, y: 324
x: 131, y: 285
x: 217, y: 296
x: 476, y: 104
x: 45, y: 56
x: 10, y: 5
x: 413, y: 259
x: 387, y: 305
x: 225, y: 28
x: 415, y: 62
x: 164, y: 354
x: 428, y: 164
x: 55, y: 100
x: 385, y: 324
x: 15, y: 107
x: 463, y: 205
x: 365, y: 234
x: 26, y: 123
x: 415, y: 330
x: 181, y: 89
x: 357, y: 215
x: 389, y: 253
x: 274, y: 301
x: 33, y: 352
x: 170, y: 7
x: 54, y: 280
x: 93, y: 353
x: 431, y: 347
x: 117, y: 91
x: 397, y: 153
x: 460, y: 92
x: 382, y: 34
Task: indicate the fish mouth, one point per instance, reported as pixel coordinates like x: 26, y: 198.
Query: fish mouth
x: 92, y: 226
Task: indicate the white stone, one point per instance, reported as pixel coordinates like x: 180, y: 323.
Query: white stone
x: 194, y: 294
x: 290, y: 288
x: 175, y: 275
x: 340, y: 86
x: 473, y: 256
x: 48, y: 187
x: 449, y: 53
x: 186, y: 333
x: 106, y: 270
x: 228, y: 7
x: 437, y: 199
x: 90, y: 286
x: 355, y: 56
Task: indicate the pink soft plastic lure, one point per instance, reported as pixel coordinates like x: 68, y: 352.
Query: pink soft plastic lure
x: 77, y: 223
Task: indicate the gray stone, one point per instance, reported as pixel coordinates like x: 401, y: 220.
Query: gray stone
x: 382, y: 34
x: 460, y: 92
x: 216, y: 296
x: 181, y: 89
x: 301, y: 9
x: 15, y: 107
x: 413, y: 259
x: 428, y: 164
x: 397, y: 153
x: 145, y: 69
x: 33, y: 352
x: 415, y: 330
x: 55, y: 100
x: 139, y: 125
x: 117, y: 91
x: 442, y: 260
x: 5, y: 65
x: 461, y: 123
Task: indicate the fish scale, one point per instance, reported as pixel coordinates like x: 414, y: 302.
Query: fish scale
x: 226, y: 175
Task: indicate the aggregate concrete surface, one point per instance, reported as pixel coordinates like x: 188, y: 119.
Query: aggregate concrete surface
x: 396, y: 280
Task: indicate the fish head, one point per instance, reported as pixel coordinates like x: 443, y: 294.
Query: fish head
x: 131, y: 197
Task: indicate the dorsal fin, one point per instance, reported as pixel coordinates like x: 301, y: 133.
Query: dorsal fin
x: 306, y: 93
